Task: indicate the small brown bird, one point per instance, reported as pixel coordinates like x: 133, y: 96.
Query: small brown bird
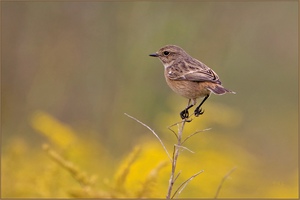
x: 189, y: 77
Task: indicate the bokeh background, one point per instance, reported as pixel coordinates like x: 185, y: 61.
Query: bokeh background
x: 70, y: 70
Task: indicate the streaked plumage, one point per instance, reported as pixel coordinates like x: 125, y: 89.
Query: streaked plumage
x: 188, y: 76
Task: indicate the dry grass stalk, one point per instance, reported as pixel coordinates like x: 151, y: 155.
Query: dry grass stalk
x: 81, y: 177
x: 176, y: 151
x: 123, y: 172
x: 223, y: 180
x: 153, y: 134
x: 150, y: 180
x: 78, y: 175
x: 184, y: 184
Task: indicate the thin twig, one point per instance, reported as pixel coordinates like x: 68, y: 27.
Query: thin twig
x: 177, y: 175
x: 174, y: 162
x: 195, y: 134
x: 153, y: 134
x: 184, y: 184
x: 183, y: 147
x: 177, y: 123
x: 173, y: 132
x: 223, y: 180
x: 180, y: 128
x: 175, y: 157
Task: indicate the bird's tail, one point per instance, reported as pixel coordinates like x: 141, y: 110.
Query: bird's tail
x: 219, y: 89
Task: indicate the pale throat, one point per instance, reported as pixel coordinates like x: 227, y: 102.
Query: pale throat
x: 166, y: 65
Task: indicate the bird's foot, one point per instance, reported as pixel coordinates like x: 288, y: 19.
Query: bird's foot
x: 198, y: 112
x: 184, y: 114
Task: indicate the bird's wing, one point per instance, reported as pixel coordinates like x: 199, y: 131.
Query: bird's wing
x: 202, y: 75
x: 192, y: 71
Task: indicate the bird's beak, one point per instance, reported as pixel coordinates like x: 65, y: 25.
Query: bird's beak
x: 154, y: 55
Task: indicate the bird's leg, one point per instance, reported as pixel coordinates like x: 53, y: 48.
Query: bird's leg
x: 185, y: 113
x: 198, y: 111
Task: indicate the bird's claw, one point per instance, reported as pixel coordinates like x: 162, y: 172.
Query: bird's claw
x: 198, y: 112
x: 184, y: 114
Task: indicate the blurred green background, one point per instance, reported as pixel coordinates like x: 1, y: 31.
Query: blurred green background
x: 70, y: 70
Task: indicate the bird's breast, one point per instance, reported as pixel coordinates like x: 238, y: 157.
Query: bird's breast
x: 188, y: 89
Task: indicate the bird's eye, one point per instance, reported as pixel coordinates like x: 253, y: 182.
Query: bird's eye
x: 166, y: 53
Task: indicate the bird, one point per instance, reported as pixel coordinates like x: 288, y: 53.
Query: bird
x: 189, y: 77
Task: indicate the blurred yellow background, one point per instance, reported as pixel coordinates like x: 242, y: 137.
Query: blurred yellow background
x: 70, y: 70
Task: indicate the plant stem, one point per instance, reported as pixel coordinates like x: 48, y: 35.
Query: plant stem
x: 174, y: 160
